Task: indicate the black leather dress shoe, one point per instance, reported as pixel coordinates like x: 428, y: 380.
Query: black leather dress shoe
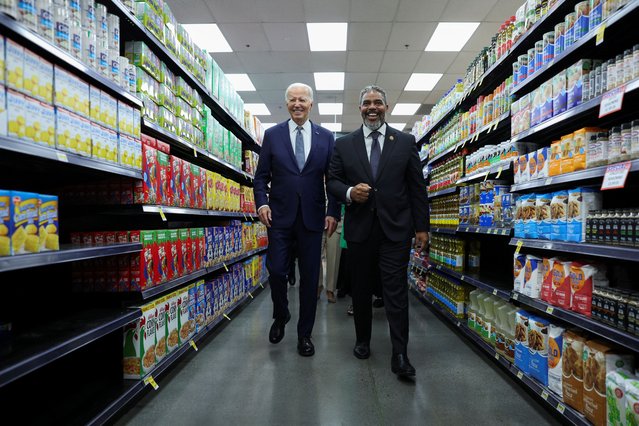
x: 277, y: 330
x: 401, y: 366
x: 305, y: 347
x: 362, y: 350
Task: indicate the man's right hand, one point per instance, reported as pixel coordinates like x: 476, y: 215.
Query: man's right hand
x: 265, y: 215
x: 360, y: 192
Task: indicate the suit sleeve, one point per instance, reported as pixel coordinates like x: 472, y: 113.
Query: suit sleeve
x: 333, y: 203
x: 336, y: 177
x: 417, y: 190
x: 263, y: 173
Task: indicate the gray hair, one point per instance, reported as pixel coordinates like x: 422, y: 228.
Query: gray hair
x: 305, y: 86
x: 372, y: 88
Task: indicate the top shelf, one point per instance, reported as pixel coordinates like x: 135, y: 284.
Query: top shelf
x: 15, y: 30
x: 217, y: 109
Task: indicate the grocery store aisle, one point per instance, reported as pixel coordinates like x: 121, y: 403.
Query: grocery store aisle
x: 239, y: 378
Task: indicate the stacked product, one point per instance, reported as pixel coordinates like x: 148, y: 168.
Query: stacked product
x: 450, y: 295
x: 448, y: 251
x: 487, y: 204
x: 444, y: 212
x: 494, y: 320
x: 618, y: 227
x: 490, y: 156
x: 446, y: 173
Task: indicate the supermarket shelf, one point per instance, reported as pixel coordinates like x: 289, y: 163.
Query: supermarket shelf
x: 570, y: 415
x: 47, y: 153
x: 443, y: 192
x: 573, y: 114
x: 133, y: 388
x: 56, y: 339
x: 612, y: 252
x: 495, y: 170
x: 194, y: 151
x: 485, y: 230
x: 194, y: 212
x: 578, y: 176
x: 475, y: 281
x: 603, y: 330
x: 13, y: 29
x: 558, y: 62
x: 217, y: 109
x: 178, y: 282
x: 439, y: 230
x: 66, y: 254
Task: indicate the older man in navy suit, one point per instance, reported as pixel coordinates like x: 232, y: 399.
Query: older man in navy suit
x: 294, y: 159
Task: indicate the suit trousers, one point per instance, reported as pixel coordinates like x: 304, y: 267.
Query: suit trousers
x: 280, y: 241
x: 392, y: 258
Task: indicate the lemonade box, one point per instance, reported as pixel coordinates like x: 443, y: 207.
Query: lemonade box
x: 14, y: 65
x: 137, y: 123
x: 111, y: 144
x: 38, y: 77
x: 6, y: 223
x: 3, y: 110
x: 25, y: 212
x: 125, y: 119
x: 48, y: 223
x: 2, y: 61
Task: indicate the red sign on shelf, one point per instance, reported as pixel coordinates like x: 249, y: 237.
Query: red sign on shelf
x: 611, y: 101
x: 615, y: 176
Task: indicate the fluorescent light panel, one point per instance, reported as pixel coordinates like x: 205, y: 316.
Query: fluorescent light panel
x: 257, y: 109
x: 241, y: 82
x: 327, y: 37
x: 451, y: 36
x: 399, y: 126
x: 333, y: 127
x: 405, y: 109
x: 329, y: 80
x: 208, y: 37
x: 326, y: 108
x: 421, y: 81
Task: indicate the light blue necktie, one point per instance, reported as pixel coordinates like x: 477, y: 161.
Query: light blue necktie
x: 376, y: 153
x: 299, y: 148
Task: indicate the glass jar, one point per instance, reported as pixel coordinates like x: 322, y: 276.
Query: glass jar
x: 626, y: 142
x: 614, y: 145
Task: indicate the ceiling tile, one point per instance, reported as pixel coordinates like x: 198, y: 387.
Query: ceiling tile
x: 420, y: 10
x: 227, y: 11
x: 333, y: 97
x: 367, y: 36
x: 467, y: 11
x: 278, y: 10
x: 282, y: 36
x: 265, y: 62
x: 503, y: 9
x: 435, y: 61
x: 364, y: 61
x: 446, y: 82
x: 373, y: 10
x: 435, y: 95
x: 326, y: 10
x: 240, y: 35
x: 252, y: 97
x: 191, y: 12
x: 412, y: 97
x: 270, y: 96
x: 398, y: 61
x: 482, y: 36
x: 393, y: 81
x: 328, y: 61
x: 351, y: 97
x: 461, y: 62
x: 413, y: 34
x: 229, y: 62
x: 357, y: 81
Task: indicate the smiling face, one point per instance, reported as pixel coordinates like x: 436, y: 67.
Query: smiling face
x: 373, y: 110
x: 299, y: 104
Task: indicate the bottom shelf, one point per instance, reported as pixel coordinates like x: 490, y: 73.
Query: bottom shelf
x: 132, y: 388
x: 568, y: 414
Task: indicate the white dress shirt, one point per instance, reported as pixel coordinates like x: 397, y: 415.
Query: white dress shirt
x: 368, y: 141
x: 306, y: 134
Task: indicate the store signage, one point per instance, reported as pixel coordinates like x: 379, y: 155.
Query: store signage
x: 611, y: 101
x: 616, y: 175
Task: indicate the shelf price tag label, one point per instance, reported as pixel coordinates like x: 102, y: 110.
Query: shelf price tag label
x: 501, y: 168
x: 227, y: 317
x: 611, y: 101
x: 62, y: 157
x: 520, y: 375
x: 515, y: 295
x: 616, y: 175
x: 520, y: 243
x: 544, y: 395
x: 495, y: 292
x: 225, y: 267
x: 261, y: 285
x: 462, y: 278
x: 496, y: 356
x: 600, y: 34
x: 162, y: 214
x: 548, y: 181
x: 194, y: 151
x: 250, y: 295
x: 550, y: 310
x: 151, y: 381
x: 561, y: 408
x: 486, y: 177
x: 192, y: 343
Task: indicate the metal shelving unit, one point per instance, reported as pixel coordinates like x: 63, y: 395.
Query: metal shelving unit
x: 485, y: 230
x: 446, y: 191
x: 439, y: 230
x: 495, y: 170
x: 194, y: 212
x: 612, y: 252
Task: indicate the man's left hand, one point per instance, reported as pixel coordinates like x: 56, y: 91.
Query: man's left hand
x: 330, y: 225
x: 421, y: 241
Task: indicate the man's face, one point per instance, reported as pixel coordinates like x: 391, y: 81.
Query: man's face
x: 299, y: 104
x: 373, y: 110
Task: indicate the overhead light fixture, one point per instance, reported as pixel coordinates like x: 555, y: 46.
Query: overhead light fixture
x: 257, y: 109
x: 326, y: 108
x: 399, y: 126
x: 208, y: 37
x: 405, y: 109
x: 451, y: 36
x: 241, y: 82
x: 327, y: 37
x: 422, y: 81
x: 329, y: 80
x: 333, y: 127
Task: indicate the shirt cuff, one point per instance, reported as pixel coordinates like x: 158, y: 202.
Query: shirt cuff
x: 348, y: 195
x: 261, y: 207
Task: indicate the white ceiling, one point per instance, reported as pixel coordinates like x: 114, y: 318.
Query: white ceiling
x: 386, y: 41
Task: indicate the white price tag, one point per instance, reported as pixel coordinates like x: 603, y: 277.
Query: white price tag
x: 544, y: 395
x: 499, y: 172
x: 194, y: 151
x: 62, y: 157
x: 515, y: 295
x: 550, y: 310
x: 616, y: 175
x: 227, y: 317
x: 611, y: 101
x: 496, y: 356
x: 495, y: 292
x: 561, y: 408
x: 520, y: 375
x: 548, y: 181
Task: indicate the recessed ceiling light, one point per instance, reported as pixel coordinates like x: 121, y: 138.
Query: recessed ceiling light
x: 241, y: 82
x: 330, y: 108
x: 208, y: 37
x: 257, y: 109
x: 421, y: 81
x: 451, y: 36
x: 405, y: 109
x: 329, y: 80
x: 333, y: 127
x: 327, y: 37
x: 399, y: 126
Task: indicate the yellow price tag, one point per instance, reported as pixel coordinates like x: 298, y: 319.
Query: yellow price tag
x: 261, y: 285
x: 192, y: 343
x: 481, y: 80
x: 225, y: 267
x: 544, y: 395
x: 250, y: 295
x: 227, y: 317
x: 520, y: 243
x: 520, y: 375
x: 151, y: 381
x: 561, y: 408
x: 244, y: 214
x: 490, y: 128
x: 485, y: 177
x: 496, y: 124
x: 499, y: 172
x: 62, y: 157
x: 600, y: 34
x: 550, y: 310
x: 194, y: 151
x: 162, y: 214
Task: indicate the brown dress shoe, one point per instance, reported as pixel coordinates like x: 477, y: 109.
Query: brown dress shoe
x: 330, y: 296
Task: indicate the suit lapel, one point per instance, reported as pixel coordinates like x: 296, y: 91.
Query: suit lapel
x: 360, y: 150
x: 289, y: 145
x: 314, y: 143
x: 389, y: 145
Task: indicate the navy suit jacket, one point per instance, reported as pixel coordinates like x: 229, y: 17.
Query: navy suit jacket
x: 293, y: 192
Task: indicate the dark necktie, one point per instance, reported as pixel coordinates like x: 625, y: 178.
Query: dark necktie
x: 376, y: 153
x: 299, y: 148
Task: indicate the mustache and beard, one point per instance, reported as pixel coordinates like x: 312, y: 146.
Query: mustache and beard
x: 373, y: 122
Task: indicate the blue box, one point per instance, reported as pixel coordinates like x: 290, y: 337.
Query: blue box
x: 522, y: 354
x: 538, y: 354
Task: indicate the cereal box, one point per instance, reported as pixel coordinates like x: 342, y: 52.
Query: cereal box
x: 111, y: 145
x: 185, y: 248
x: 559, y: 216
x: 580, y: 202
x: 555, y: 347
x: 546, y: 109
x: 184, y: 323
x: 38, y: 77
x: 522, y: 355
x: 192, y: 292
x: 145, y: 190
x: 574, y: 82
x: 172, y: 321
x: 196, y: 260
x: 14, y: 63
x: 559, y: 93
x: 160, y: 328
x: 163, y: 179
x: 573, y: 370
x: 200, y: 306
x: 209, y: 295
x: 25, y: 216
x: 6, y: 223
x: 139, y: 344
x: 162, y: 264
x: 175, y: 186
x: 124, y: 273
x: 538, y: 348
x: 48, y: 223
x: 172, y: 254
x: 533, y: 277
x: 148, y: 259
x: 561, y: 292
x: 187, y: 185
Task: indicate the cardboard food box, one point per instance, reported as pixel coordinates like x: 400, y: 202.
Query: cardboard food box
x: 554, y: 165
x: 139, y: 344
x: 196, y: 261
x: 162, y: 265
x: 559, y: 215
x: 184, y: 322
x: 561, y: 292
x: 6, y: 223
x: 48, y: 223
x: 567, y: 153
x: 185, y: 249
x: 38, y: 77
x: 14, y: 63
x: 24, y: 211
x: 172, y: 321
x: 538, y: 348
x: 163, y: 179
x: 580, y: 141
x: 200, y: 306
x: 581, y: 201
x: 532, y: 277
x: 161, y: 335
x: 146, y: 189
x: 75, y: 95
x: 148, y: 259
x: 574, y: 82
x: 559, y: 100
x: 173, y: 254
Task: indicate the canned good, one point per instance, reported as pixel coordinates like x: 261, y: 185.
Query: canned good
x: 101, y: 21
x: 61, y: 34
x: 113, y: 22
x: 531, y: 61
x: 582, y: 13
x: 88, y: 15
x: 560, y: 33
x: 89, y: 47
x: 569, y: 22
x: 522, y: 60
x: 75, y: 11
x: 596, y: 13
x: 114, y: 66
x: 133, y: 78
x: 27, y: 14
x: 102, y: 58
x: 124, y: 72
x: 9, y: 7
x: 549, y: 47
x: 75, y: 39
x: 539, y: 55
x: 45, y: 19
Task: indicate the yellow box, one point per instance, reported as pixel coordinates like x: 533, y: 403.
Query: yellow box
x: 109, y: 111
x: 3, y: 111
x: 69, y: 135
x: 95, y: 96
x: 6, y: 223
x: 125, y: 118
x: 111, y: 138
x: 71, y: 92
x: 25, y: 214
x: 581, y: 138
x: 38, y: 77
x: 99, y: 141
x: 39, y: 117
x: 85, y: 145
x: 567, y: 153
x: 48, y: 230
x: 125, y: 154
x: 2, y: 61
x: 14, y: 63
x: 16, y: 113
x: 136, y: 149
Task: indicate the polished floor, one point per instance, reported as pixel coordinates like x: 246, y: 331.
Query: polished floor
x: 238, y: 378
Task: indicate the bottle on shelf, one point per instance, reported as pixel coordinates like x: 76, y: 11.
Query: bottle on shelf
x: 473, y: 257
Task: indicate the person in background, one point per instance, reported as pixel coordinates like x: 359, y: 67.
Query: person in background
x: 376, y: 171
x: 332, y: 252
x: 294, y: 160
